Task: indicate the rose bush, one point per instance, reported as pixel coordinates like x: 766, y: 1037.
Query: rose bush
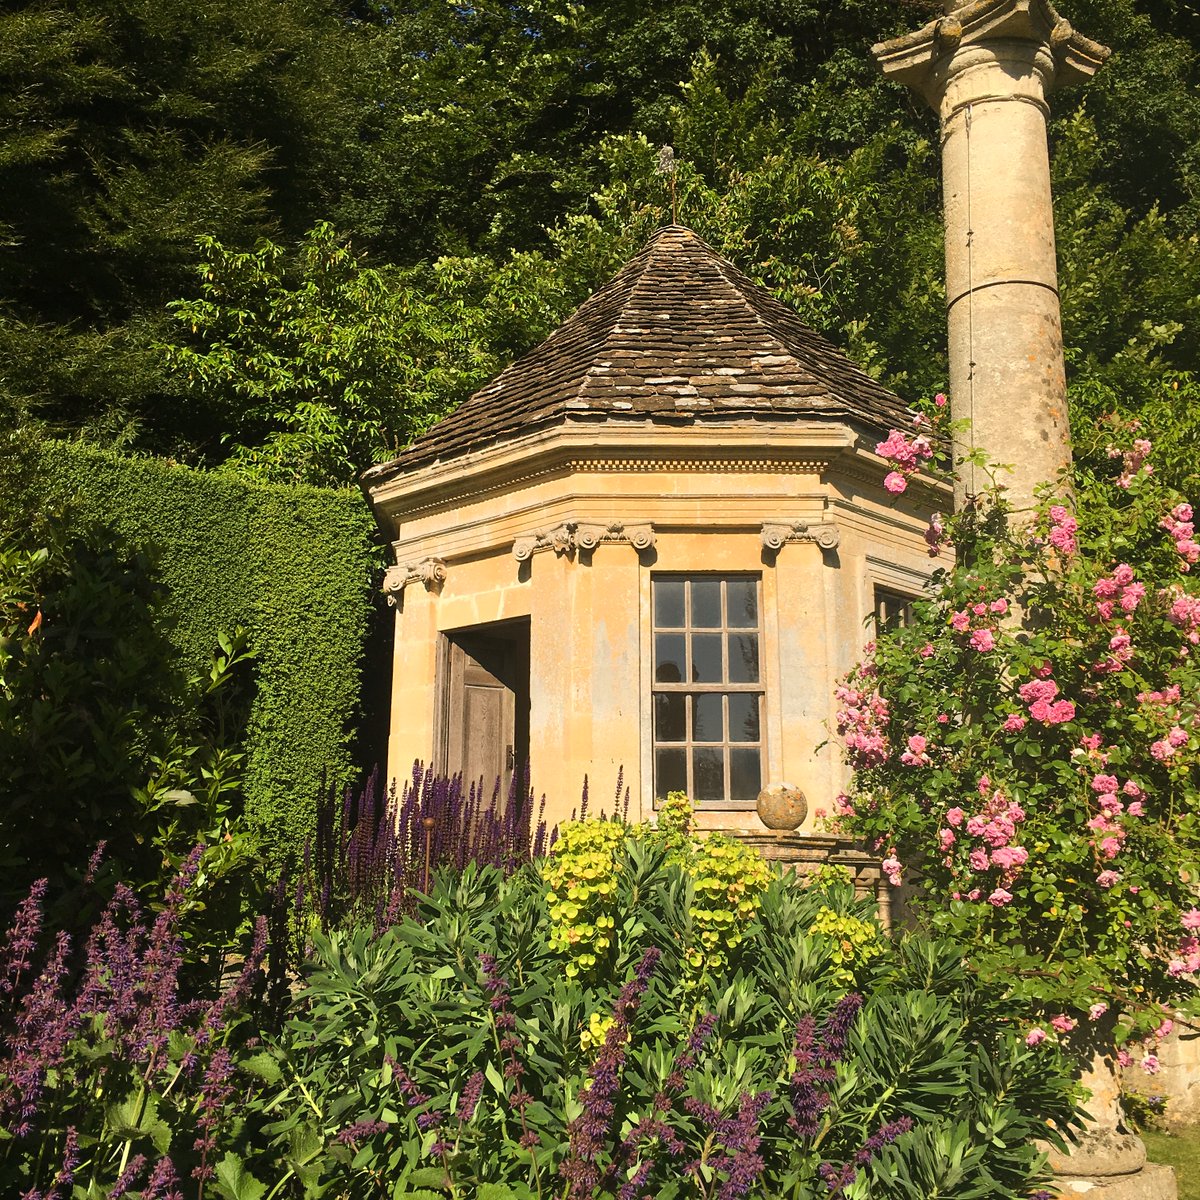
x: 1025, y: 750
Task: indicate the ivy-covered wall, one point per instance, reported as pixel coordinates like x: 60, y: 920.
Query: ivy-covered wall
x: 294, y: 565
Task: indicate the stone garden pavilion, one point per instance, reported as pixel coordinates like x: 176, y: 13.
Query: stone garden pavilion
x: 653, y: 544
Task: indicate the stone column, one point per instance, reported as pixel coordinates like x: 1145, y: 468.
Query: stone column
x: 986, y: 68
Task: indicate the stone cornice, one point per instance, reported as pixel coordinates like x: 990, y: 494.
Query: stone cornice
x: 572, y: 537
x: 803, y: 447
x: 428, y: 571
x: 923, y: 59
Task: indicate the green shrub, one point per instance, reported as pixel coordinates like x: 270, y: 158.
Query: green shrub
x: 455, y: 1056
x: 293, y: 565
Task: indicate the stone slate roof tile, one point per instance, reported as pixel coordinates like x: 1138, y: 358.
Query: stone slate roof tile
x: 678, y: 332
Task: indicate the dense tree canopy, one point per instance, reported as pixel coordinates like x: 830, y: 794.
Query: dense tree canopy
x: 469, y: 172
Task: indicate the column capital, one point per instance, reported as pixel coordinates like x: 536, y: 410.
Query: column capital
x: 983, y: 31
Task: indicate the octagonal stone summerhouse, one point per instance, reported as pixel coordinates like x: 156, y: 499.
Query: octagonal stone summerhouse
x: 652, y: 545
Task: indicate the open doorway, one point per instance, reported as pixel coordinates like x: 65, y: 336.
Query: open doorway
x: 484, y: 704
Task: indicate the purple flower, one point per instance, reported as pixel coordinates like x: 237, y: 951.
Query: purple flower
x: 360, y: 1131
x: 469, y: 1100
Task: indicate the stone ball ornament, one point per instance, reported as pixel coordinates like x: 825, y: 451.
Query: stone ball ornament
x: 782, y: 806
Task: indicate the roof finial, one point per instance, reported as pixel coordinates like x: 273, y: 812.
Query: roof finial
x: 666, y: 167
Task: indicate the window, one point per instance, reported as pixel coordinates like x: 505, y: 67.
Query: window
x: 708, y: 696
x: 893, y: 610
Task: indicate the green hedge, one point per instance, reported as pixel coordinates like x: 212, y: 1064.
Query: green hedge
x: 295, y: 565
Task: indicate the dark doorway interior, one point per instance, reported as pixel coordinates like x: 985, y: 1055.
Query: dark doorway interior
x: 485, y: 704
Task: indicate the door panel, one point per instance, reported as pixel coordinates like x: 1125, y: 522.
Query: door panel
x: 486, y: 706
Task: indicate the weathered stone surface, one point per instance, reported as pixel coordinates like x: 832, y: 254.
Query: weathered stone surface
x: 1153, y: 1182
x: 1101, y: 1152
x: 782, y: 806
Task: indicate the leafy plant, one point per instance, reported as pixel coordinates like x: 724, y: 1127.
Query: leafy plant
x: 454, y: 1054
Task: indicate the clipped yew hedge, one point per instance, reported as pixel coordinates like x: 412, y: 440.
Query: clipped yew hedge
x: 296, y: 566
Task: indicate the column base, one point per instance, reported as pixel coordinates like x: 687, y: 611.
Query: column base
x: 1110, y: 1165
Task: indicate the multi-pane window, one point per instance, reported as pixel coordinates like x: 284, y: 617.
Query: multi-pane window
x: 708, y: 695
x: 893, y: 610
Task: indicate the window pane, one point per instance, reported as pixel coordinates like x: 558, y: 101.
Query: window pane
x: 670, y: 772
x: 743, y: 658
x: 668, y: 603
x: 741, y: 597
x: 708, y: 774
x: 668, y: 657
x: 745, y: 774
x: 743, y: 717
x: 669, y: 717
x: 706, y: 603
x: 706, y: 658
x: 707, y: 722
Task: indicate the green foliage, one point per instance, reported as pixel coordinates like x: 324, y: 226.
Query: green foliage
x: 1028, y: 747
x: 291, y: 565
x: 725, y: 880
x: 413, y: 1060
x: 318, y: 366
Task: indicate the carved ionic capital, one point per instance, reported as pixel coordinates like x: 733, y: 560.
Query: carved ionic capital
x: 775, y: 533
x: 428, y: 571
x: 573, y: 536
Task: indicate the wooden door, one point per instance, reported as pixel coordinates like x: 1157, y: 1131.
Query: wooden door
x: 486, y: 708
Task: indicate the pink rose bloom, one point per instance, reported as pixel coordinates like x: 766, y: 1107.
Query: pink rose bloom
x: 955, y: 817
x: 1107, y: 879
x: 999, y: 898
x: 1061, y: 711
x: 1038, y: 689
x: 1124, y: 1058
x: 999, y: 607
x: 1132, y: 596
x: 1063, y: 1023
x: 1131, y: 789
x: 1014, y: 723
x: 926, y: 651
x: 1123, y: 575
x: 1150, y: 1064
x: 1105, y: 784
x: 980, y: 610
x: 976, y: 825
x: 1097, y: 1011
x: 1182, y: 512
x: 947, y: 838
x: 1111, y: 806
x: 1105, y: 589
x: 985, y: 785
x: 917, y: 744
x: 895, y: 483
x: 1110, y: 847
x: 1039, y: 710
x: 983, y: 640
x: 940, y: 400
x: 1058, y: 514
x: 1190, y: 919
x: 1092, y: 742
x: 1136, y: 809
x: 891, y: 868
x: 1162, y: 750
x: 1164, y: 1030
x: 999, y: 831
x: 1008, y: 857
x: 1105, y: 609
x: 1177, y: 737
x: 979, y: 860
x: 961, y: 621
x: 1035, y: 1037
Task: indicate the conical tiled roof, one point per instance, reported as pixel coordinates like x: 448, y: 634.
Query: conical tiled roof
x: 679, y: 334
